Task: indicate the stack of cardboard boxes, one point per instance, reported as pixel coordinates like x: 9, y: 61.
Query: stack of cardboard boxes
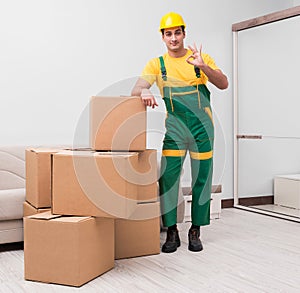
x: 86, y: 208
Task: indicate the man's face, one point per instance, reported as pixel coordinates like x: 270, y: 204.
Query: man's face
x: 173, y: 38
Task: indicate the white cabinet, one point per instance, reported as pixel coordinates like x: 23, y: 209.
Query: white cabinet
x: 287, y: 191
x: 215, y: 206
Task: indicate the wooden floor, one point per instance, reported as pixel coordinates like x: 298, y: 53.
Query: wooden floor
x: 243, y: 252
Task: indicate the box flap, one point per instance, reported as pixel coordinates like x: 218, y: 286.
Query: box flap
x: 113, y: 154
x: 73, y: 153
x: 78, y: 149
x: 71, y: 219
x: 44, y: 150
x: 44, y: 216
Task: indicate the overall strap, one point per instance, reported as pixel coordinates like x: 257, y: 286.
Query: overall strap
x: 197, y: 71
x: 163, y: 68
x: 164, y: 71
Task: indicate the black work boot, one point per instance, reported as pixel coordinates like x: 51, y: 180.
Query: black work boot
x: 172, y: 241
x: 194, y: 240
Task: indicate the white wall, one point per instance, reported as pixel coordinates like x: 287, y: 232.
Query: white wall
x: 55, y: 54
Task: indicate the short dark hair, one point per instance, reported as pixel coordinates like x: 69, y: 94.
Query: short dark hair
x: 163, y: 30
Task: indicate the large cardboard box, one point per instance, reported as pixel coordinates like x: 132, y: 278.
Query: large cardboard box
x: 117, y: 123
x: 38, y: 176
x: 287, y: 191
x: 147, y: 176
x: 100, y: 184
x: 67, y: 250
x: 29, y: 209
x: 139, y: 235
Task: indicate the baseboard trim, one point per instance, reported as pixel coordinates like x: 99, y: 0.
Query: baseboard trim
x: 228, y: 203
x: 259, y: 200
x: 12, y: 246
x: 249, y: 201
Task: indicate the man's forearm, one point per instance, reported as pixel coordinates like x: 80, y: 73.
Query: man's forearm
x: 216, y: 77
x: 142, y: 89
x: 140, y: 86
x: 137, y: 91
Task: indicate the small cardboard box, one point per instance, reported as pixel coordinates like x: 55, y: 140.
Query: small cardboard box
x: 287, y: 191
x: 139, y: 235
x: 29, y: 209
x: 67, y: 250
x: 100, y: 184
x: 38, y: 176
x: 117, y: 123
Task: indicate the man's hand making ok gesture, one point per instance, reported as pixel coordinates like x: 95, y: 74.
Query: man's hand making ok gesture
x: 196, y: 58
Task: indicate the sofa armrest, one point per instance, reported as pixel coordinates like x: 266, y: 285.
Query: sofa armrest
x: 11, y: 203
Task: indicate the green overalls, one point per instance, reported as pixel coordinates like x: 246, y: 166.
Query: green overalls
x: 189, y: 126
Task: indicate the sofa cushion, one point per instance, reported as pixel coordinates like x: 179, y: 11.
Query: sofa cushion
x: 12, y: 167
x: 11, y: 203
x: 11, y: 231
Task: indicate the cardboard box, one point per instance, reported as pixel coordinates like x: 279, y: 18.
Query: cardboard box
x: 29, y: 210
x: 147, y: 176
x: 38, y: 176
x: 117, y: 123
x: 100, y: 184
x: 67, y: 250
x: 139, y: 235
x: 287, y: 191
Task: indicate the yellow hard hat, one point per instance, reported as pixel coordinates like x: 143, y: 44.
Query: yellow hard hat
x: 171, y: 19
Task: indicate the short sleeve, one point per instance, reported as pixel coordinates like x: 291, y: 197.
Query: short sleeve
x: 209, y: 61
x: 151, y: 71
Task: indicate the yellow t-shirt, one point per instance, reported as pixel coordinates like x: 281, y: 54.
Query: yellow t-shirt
x: 179, y: 72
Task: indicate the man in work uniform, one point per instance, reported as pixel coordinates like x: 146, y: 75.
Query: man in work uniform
x: 181, y: 75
